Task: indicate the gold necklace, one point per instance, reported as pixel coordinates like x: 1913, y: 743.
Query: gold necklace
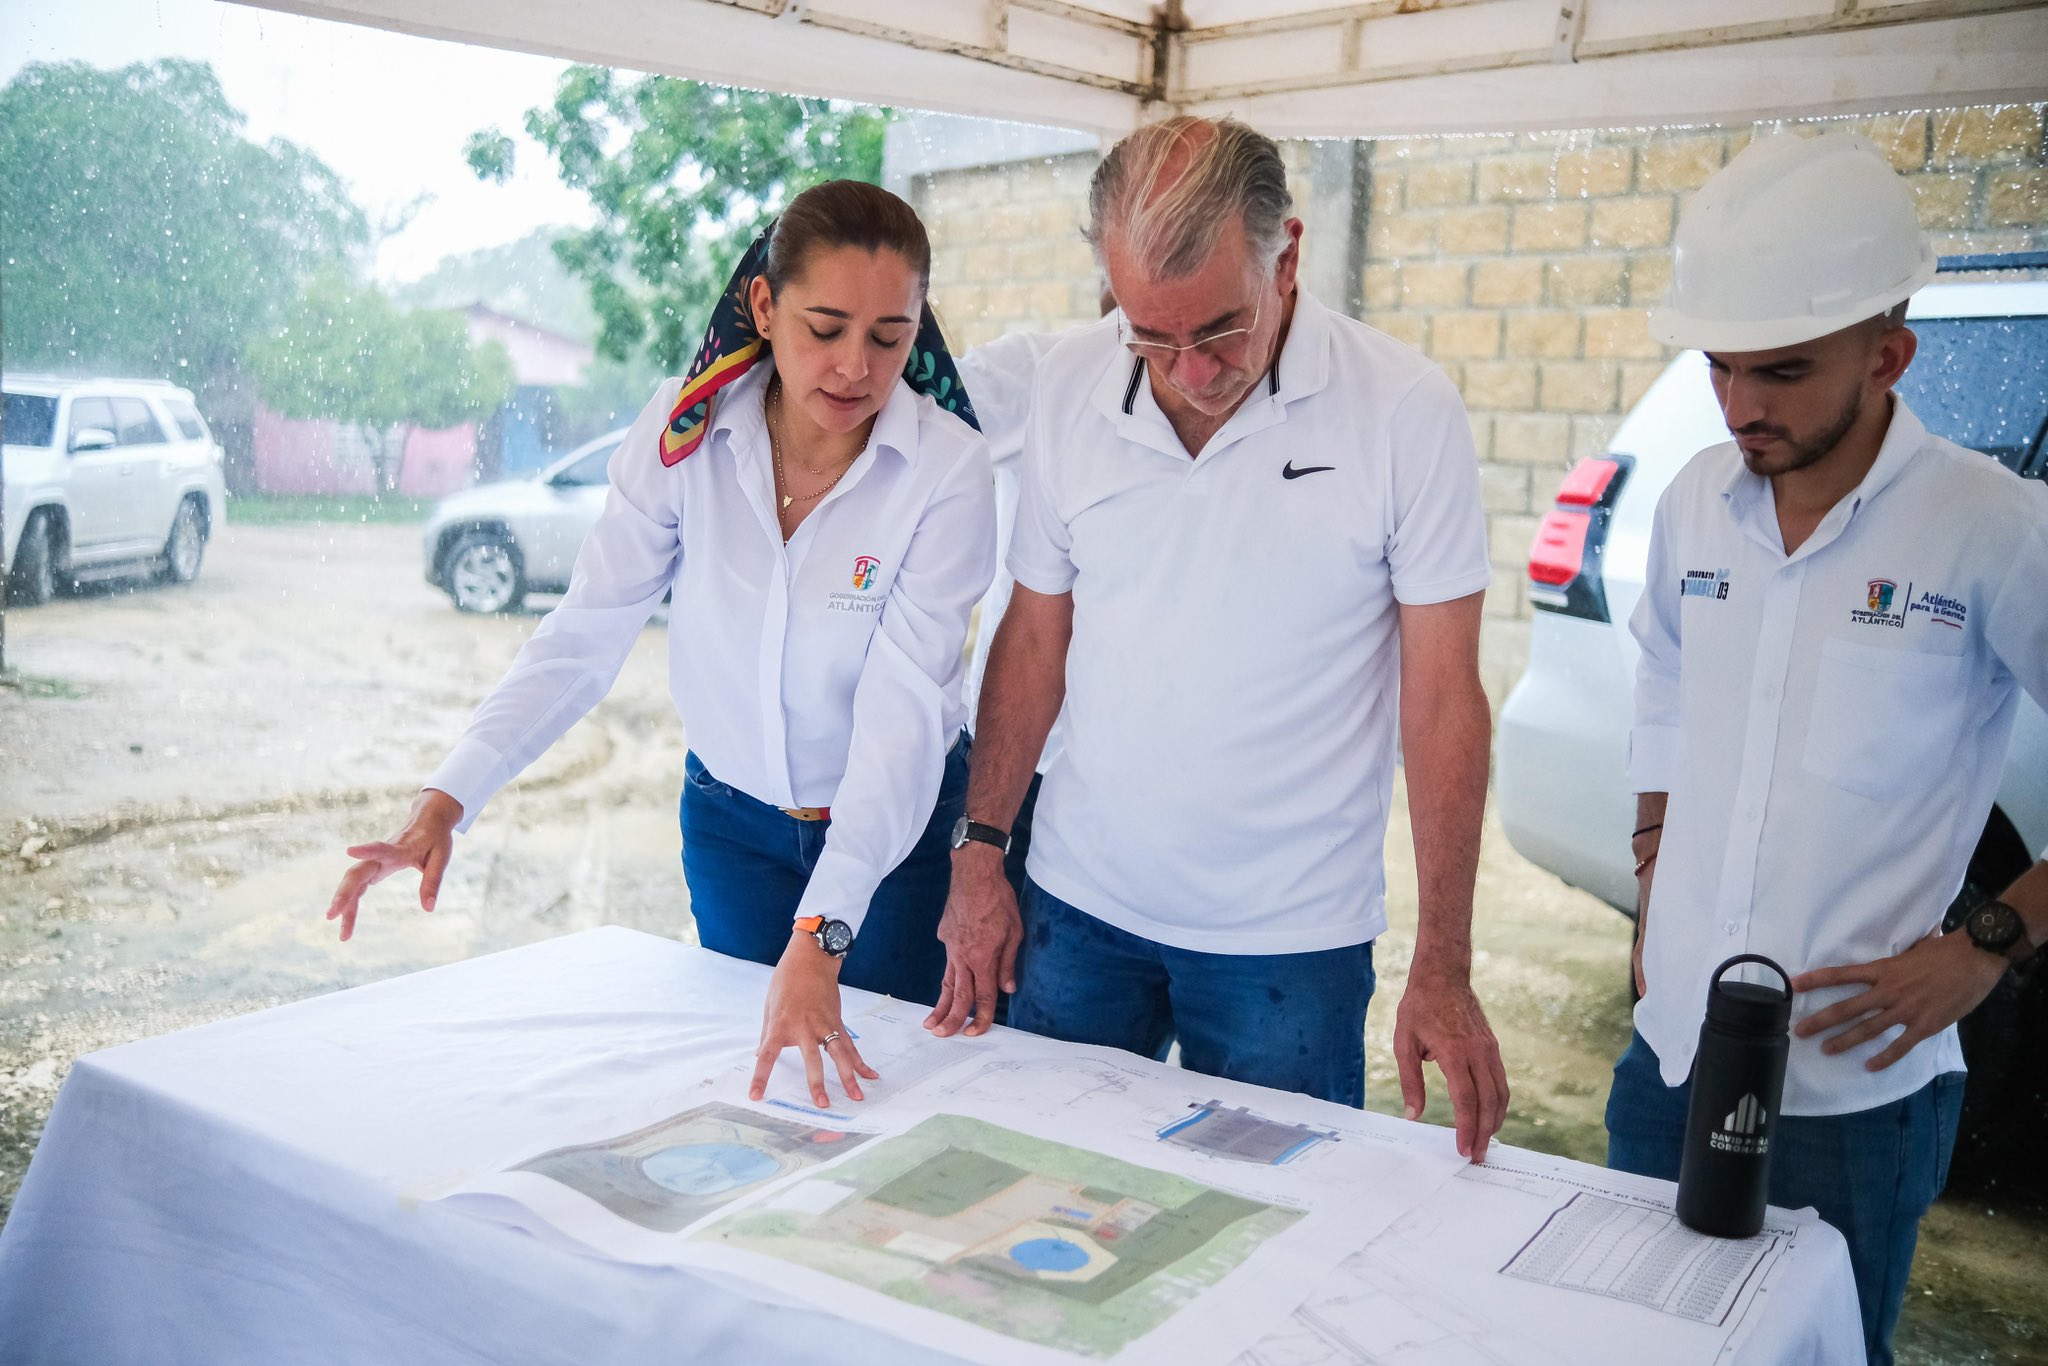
x: 775, y: 446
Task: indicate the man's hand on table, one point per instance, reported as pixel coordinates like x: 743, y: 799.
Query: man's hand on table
x: 1440, y: 1021
x: 1927, y: 988
x: 981, y: 931
x: 425, y: 843
x: 803, y: 1013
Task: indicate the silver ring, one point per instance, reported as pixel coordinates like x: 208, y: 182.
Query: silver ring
x: 829, y: 1039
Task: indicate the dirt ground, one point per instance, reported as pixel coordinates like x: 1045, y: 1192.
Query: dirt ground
x: 180, y: 770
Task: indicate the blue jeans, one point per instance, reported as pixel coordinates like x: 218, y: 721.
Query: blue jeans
x: 1295, y: 1021
x: 1871, y: 1174
x: 1020, y: 838
x: 747, y: 865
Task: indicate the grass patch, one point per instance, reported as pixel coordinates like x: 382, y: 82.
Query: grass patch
x: 287, y: 509
x: 28, y: 685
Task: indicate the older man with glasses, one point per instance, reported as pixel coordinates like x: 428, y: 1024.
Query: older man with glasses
x: 1249, y: 561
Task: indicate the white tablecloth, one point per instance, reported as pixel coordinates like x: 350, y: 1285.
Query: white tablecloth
x: 259, y: 1189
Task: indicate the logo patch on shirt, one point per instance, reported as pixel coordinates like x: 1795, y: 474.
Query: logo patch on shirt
x: 1944, y: 610
x: 867, y: 575
x: 1704, y: 583
x: 1878, y: 597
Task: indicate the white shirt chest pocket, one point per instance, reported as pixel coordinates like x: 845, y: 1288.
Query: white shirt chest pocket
x: 1884, y: 720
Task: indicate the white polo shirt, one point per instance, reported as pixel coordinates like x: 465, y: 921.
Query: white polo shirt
x: 998, y: 376
x: 1830, y: 726
x: 821, y: 673
x: 1231, y: 684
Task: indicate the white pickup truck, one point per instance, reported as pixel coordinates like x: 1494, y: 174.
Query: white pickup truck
x: 103, y: 477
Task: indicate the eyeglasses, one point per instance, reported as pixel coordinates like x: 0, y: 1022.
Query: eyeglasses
x: 1216, y: 346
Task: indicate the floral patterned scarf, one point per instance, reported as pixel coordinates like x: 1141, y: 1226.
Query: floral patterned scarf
x: 732, y: 347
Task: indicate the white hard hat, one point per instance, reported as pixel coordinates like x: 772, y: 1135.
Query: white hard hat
x: 1794, y: 238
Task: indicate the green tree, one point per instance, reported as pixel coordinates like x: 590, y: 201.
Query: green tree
x: 141, y: 231
x: 682, y: 176
x: 524, y: 279
x: 346, y: 354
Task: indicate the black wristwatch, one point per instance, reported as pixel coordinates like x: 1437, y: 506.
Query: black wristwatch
x: 834, y: 936
x: 965, y: 830
x: 1996, y: 928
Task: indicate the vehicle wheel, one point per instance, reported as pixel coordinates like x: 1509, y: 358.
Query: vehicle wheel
x: 185, y: 546
x: 2005, y: 1102
x: 484, y: 574
x: 34, y: 581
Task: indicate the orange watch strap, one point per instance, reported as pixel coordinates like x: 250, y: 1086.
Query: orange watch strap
x: 809, y: 924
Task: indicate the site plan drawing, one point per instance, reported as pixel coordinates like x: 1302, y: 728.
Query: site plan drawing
x: 668, y: 1176
x: 1034, y: 1201
x: 630, y: 1196
x: 1032, y: 1239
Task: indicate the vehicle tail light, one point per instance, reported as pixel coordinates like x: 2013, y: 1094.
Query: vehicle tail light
x: 1560, y: 549
x: 1564, y: 562
x: 1587, y: 484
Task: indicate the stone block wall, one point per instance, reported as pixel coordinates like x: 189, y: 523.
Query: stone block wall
x: 1007, y: 254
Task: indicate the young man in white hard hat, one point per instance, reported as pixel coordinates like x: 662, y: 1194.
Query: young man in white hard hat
x: 1820, y: 730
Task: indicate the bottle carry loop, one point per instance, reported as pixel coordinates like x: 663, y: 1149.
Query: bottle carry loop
x: 1740, y: 958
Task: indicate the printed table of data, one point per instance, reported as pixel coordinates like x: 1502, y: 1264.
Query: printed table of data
x: 1643, y: 1255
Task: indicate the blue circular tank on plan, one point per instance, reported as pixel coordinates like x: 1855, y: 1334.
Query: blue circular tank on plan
x: 1049, y: 1254
x: 708, y: 1168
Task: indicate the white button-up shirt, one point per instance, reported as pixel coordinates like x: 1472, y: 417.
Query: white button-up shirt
x: 1831, y: 726
x: 1232, y: 677
x: 824, y: 672
x: 998, y: 376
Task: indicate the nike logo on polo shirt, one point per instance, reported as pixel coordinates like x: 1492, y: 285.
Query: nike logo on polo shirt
x: 1288, y: 471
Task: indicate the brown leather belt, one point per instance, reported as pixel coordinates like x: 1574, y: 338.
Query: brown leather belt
x: 806, y: 813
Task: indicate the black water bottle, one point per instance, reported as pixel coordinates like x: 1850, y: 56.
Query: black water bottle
x: 1738, y: 1078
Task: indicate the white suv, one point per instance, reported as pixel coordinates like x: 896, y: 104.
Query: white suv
x: 1981, y: 380
x: 102, y: 477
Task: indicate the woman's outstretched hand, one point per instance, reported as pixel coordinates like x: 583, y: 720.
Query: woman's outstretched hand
x: 803, y: 1013
x: 425, y: 843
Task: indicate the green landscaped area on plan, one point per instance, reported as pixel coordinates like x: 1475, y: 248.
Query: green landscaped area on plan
x: 1033, y: 1239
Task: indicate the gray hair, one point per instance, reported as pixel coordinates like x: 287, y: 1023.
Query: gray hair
x: 1168, y: 190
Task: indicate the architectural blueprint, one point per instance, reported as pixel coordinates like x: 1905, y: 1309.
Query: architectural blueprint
x: 1007, y: 1199
x: 670, y: 1175
x: 1035, y: 1240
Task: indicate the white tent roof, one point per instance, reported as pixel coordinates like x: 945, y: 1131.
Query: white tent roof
x: 1293, y: 69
